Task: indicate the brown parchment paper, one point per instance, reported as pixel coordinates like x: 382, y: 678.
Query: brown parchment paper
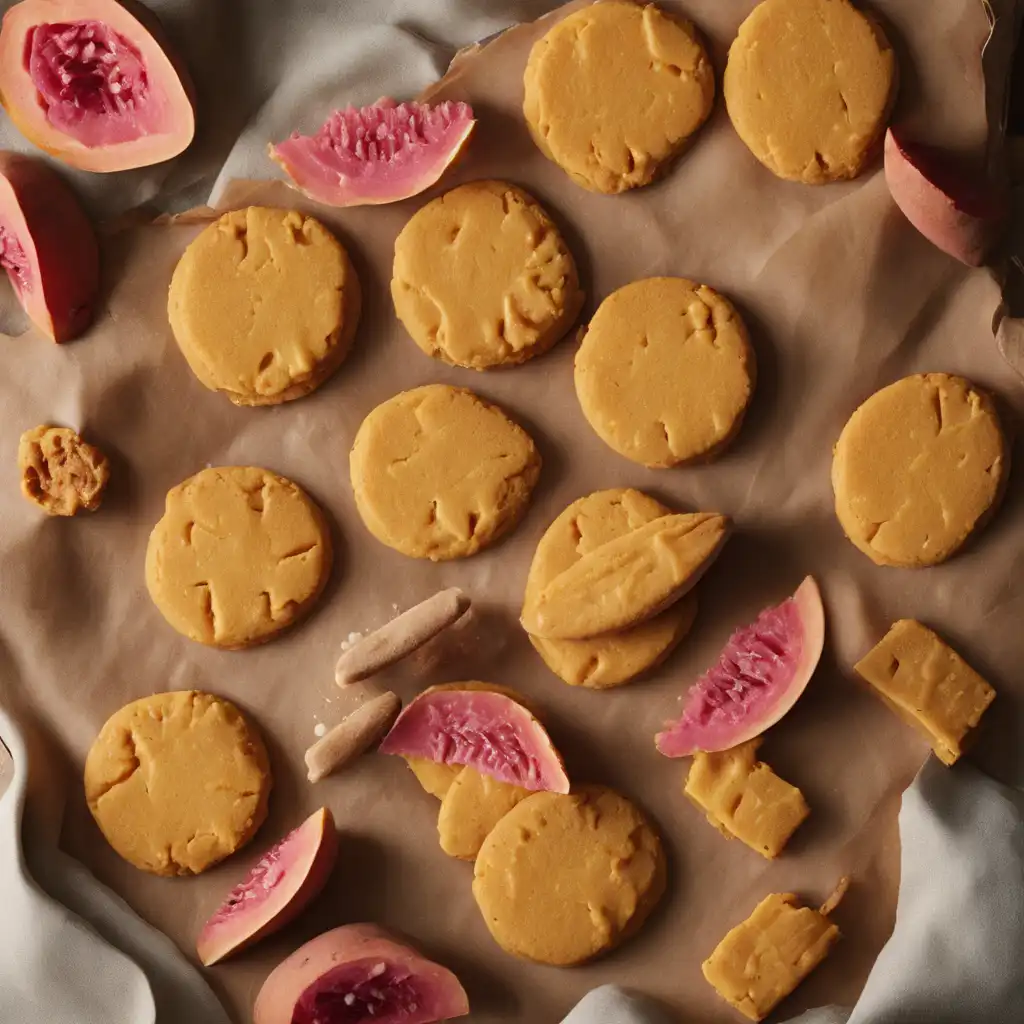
x: 842, y: 297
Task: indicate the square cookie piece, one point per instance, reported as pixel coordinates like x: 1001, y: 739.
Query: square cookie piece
x: 745, y: 799
x: 763, y: 959
x: 928, y: 685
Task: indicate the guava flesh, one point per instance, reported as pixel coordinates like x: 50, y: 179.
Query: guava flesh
x: 13, y: 259
x: 365, y: 990
x: 266, y: 876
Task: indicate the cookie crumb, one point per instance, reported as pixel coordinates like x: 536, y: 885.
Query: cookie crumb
x: 319, y: 729
x: 60, y: 472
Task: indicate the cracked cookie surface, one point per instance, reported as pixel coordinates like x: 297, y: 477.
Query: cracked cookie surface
x: 264, y: 304
x: 665, y: 372
x: 178, y: 781
x: 240, y: 554
x: 60, y: 472
x: 439, y: 473
x: 482, y: 277
x: 809, y: 86
x: 918, y: 468
x: 615, y: 91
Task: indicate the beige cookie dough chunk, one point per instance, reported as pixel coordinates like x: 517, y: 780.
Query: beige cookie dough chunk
x: 615, y: 91
x: 562, y: 879
x: 470, y: 808
x: 744, y: 799
x: 439, y: 473
x: 240, y: 554
x: 918, y: 468
x: 928, y: 685
x: 264, y: 305
x: 482, y: 277
x: 178, y: 781
x: 60, y: 472
x: 809, y: 86
x: 665, y: 372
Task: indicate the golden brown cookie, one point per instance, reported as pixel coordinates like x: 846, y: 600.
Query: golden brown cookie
x: 264, y: 305
x: 482, y: 277
x: 615, y: 91
x: 439, y: 473
x: 178, y: 781
x: 665, y: 372
x: 473, y: 804
x: 809, y: 86
x: 918, y: 468
x: 562, y: 879
x: 60, y: 472
x: 240, y: 554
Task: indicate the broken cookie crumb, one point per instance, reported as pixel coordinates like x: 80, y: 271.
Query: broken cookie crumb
x: 60, y: 472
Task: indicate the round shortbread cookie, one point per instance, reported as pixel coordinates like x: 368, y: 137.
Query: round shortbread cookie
x: 264, y: 305
x: 809, y: 86
x: 470, y: 808
x: 562, y: 879
x: 178, y: 781
x: 439, y: 473
x: 240, y: 554
x: 665, y: 372
x: 918, y: 468
x: 482, y: 277
x: 615, y: 91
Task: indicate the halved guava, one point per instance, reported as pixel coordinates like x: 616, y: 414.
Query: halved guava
x: 356, y: 974
x: 47, y: 247
x: 760, y: 675
x: 377, y: 154
x: 93, y: 83
x: 487, y: 731
x: 281, y: 885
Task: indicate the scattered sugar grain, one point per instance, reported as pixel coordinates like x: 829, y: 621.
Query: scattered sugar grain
x: 319, y: 729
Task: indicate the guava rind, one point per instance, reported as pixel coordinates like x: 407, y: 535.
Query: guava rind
x: 761, y: 673
x: 290, y: 875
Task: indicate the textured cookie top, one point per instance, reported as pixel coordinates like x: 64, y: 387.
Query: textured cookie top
x: 60, y: 472
x: 482, y: 277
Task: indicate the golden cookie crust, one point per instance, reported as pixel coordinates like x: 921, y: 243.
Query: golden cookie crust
x: 482, y: 277
x: 918, y: 468
x: 60, y: 472
x: 562, y: 879
x: 264, y: 305
x: 615, y: 91
x: 178, y: 781
x: 239, y: 555
x: 665, y: 372
x: 439, y: 473
x: 809, y: 86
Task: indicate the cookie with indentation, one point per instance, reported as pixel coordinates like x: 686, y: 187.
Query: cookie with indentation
x: 809, y: 86
x: 615, y: 91
x: 264, y: 305
x: 561, y: 879
x: 919, y: 467
x: 665, y: 372
x: 239, y: 555
x: 439, y: 473
x: 178, y: 781
x: 482, y: 277
x: 60, y: 472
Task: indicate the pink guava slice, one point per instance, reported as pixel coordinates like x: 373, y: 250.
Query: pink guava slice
x: 94, y: 83
x: 760, y: 675
x: 488, y: 731
x: 357, y: 974
x: 957, y: 211
x: 47, y: 247
x: 377, y: 154
x: 281, y: 885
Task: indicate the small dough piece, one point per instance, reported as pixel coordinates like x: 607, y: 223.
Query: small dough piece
x: 615, y: 91
x: 439, y: 473
x: 918, y: 468
x: 665, y: 372
x: 744, y: 799
x: 264, y: 305
x: 616, y: 658
x: 178, y: 781
x: 352, y: 736
x: 763, y: 959
x: 928, y: 685
x: 60, y: 472
x: 473, y: 804
x: 239, y: 555
x: 809, y: 86
x: 482, y: 277
x: 564, y: 878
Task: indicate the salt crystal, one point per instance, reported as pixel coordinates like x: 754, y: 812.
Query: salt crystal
x: 319, y: 729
